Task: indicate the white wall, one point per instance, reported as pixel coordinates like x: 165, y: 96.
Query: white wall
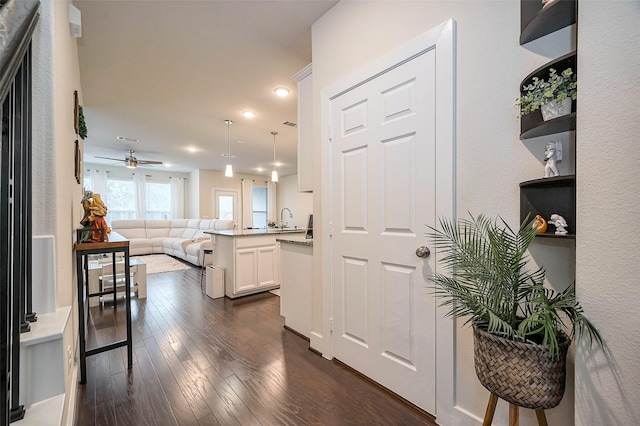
x: 608, y: 388
x: 56, y: 195
x: 491, y: 160
x: 300, y: 203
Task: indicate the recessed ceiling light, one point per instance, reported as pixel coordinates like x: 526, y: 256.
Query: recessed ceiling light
x: 192, y: 149
x: 123, y: 138
x: 259, y: 169
x: 167, y: 164
x: 249, y: 114
x: 281, y: 91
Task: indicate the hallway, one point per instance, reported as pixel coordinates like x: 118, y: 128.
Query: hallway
x: 199, y: 361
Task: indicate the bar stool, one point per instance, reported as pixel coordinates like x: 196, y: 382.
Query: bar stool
x: 203, y: 269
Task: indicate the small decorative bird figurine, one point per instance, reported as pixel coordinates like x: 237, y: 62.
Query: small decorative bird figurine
x: 540, y: 224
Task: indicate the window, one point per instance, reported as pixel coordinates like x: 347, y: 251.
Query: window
x: 120, y: 200
x: 158, y: 200
x: 259, y: 206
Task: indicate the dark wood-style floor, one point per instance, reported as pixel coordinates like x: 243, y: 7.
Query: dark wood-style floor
x: 199, y: 361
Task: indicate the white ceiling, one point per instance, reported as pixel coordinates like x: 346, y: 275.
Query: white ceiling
x: 170, y: 72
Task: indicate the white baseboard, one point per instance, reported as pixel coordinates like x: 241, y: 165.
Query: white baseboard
x: 462, y: 417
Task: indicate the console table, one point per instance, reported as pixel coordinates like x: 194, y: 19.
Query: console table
x: 116, y: 244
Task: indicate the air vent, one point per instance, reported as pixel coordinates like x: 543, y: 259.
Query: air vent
x: 123, y: 138
x: 289, y: 123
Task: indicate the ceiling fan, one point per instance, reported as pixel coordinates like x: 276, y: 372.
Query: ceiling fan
x: 132, y: 162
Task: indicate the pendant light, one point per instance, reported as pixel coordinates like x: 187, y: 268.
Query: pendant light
x: 274, y: 173
x: 228, y: 171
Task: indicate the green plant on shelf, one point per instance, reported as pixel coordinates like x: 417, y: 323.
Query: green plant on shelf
x: 557, y: 87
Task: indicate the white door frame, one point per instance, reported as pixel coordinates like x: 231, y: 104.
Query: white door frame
x: 442, y: 39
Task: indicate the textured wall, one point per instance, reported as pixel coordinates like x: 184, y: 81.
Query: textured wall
x: 43, y: 155
x: 56, y: 195
x: 608, y: 388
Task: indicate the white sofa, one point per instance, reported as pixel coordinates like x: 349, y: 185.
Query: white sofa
x: 182, y: 238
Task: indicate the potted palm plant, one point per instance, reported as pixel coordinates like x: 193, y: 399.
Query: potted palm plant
x: 552, y: 96
x: 520, y: 337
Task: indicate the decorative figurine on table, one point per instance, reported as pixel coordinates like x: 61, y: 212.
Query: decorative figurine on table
x: 540, y: 224
x: 94, y: 225
x: 560, y: 224
x: 552, y: 154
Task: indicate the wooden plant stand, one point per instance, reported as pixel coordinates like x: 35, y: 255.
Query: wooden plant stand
x: 513, y: 413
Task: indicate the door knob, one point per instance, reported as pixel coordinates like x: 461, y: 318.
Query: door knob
x: 423, y: 252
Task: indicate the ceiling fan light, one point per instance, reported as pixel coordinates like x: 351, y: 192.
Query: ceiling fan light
x: 131, y: 164
x: 228, y: 171
x: 274, y: 176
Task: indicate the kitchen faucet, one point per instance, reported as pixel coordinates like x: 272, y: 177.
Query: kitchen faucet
x: 282, y: 224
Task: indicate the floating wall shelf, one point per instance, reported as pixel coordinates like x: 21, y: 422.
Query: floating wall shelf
x: 532, y: 125
x: 537, y: 21
x: 547, y: 196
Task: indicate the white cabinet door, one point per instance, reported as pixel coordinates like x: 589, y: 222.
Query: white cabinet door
x: 268, y: 266
x: 246, y: 270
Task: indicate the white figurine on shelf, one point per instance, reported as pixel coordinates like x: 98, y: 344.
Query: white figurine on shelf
x: 551, y: 155
x: 560, y: 224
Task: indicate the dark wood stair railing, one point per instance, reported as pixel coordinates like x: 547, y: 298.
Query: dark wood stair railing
x: 18, y: 19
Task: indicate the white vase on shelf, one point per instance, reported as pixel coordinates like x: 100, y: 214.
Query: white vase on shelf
x: 554, y: 109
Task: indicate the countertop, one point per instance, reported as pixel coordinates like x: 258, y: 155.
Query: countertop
x: 298, y: 241
x: 254, y: 232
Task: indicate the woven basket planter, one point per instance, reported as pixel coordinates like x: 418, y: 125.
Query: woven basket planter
x: 520, y: 373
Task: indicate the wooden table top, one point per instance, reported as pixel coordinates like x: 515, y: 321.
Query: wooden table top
x: 115, y: 240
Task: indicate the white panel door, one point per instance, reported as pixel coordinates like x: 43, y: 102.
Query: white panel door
x: 382, y: 195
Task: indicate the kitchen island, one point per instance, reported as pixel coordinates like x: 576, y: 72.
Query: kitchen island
x: 250, y: 258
